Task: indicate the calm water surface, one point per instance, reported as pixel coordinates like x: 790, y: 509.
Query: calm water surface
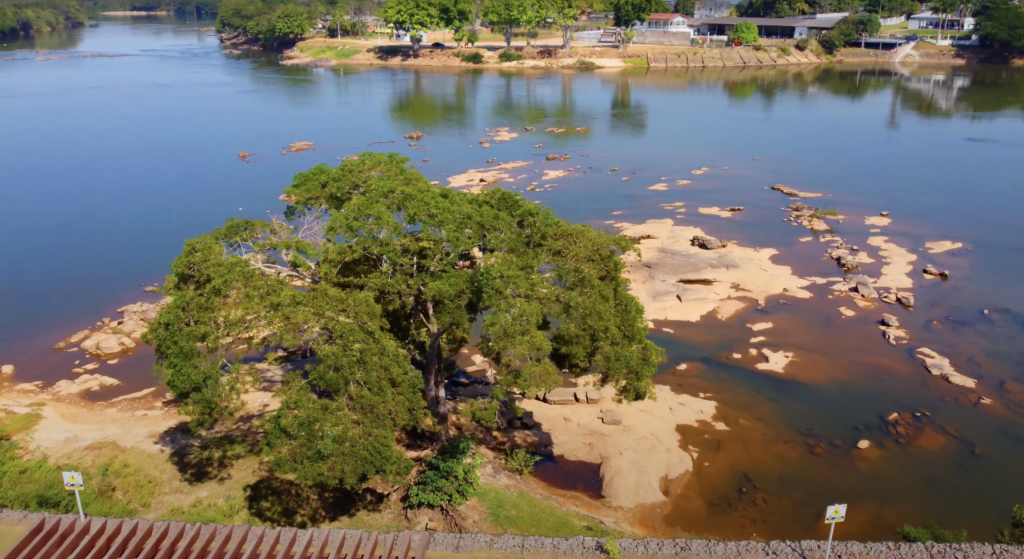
x: 108, y: 163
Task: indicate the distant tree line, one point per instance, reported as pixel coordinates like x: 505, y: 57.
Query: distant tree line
x: 788, y: 8
x: 17, y: 19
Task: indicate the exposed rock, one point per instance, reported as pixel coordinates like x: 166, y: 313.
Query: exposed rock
x: 792, y: 192
x: 682, y: 182
x: 734, y: 209
x: 941, y: 246
x: 941, y: 367
x: 861, y: 284
x: 883, y: 214
x: 588, y: 395
x: 659, y: 186
x: 895, y: 273
x: 611, y: 417
x: 477, y: 179
x: 708, y: 243
x: 90, y: 367
x: 243, y: 155
x: 7, y: 370
x: 296, y: 147
x: 889, y: 297
x: 527, y: 420
x: 890, y: 321
x: 78, y: 337
x: 846, y: 312
x: 757, y: 327
x: 103, y: 345
x: 561, y: 396
x: 930, y: 270
x: 715, y: 210
x: 82, y: 384
x: 414, y: 136
x: 905, y: 298
x: 529, y: 128
x: 877, y: 221
x: 863, y: 444
x: 777, y: 360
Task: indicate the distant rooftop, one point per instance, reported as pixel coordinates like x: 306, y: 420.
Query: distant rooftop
x: 823, y: 23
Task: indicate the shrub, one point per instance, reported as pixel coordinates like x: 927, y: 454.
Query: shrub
x: 585, y: 65
x: 802, y: 44
x: 745, y: 32
x: 473, y: 58
x: 1014, y: 535
x: 520, y: 462
x: 449, y: 478
x: 694, y: 42
x: 510, y: 56
x: 786, y: 51
x: 472, y: 38
x: 611, y: 548
x: 931, y: 533
x: 759, y: 47
x: 459, y: 36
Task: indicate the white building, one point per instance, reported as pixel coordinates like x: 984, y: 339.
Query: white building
x: 711, y: 8
x: 665, y: 22
x: 930, y: 20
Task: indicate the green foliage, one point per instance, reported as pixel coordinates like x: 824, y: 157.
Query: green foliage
x: 759, y: 47
x: 517, y: 512
x: 267, y: 23
x: 117, y: 488
x: 235, y: 15
x: 510, y: 56
x: 628, y: 11
x: 459, y: 36
x: 39, y: 16
x: 473, y: 58
x: 1014, y: 535
x: 827, y: 212
x: 610, y: 548
x: 1000, y: 25
x: 520, y: 462
x: 472, y: 38
x: 565, y: 15
x: 785, y: 50
x: 449, y: 478
x: 803, y: 44
x: 745, y: 32
x: 400, y: 274
x: 685, y: 7
x: 585, y: 65
x: 931, y: 533
x: 506, y: 16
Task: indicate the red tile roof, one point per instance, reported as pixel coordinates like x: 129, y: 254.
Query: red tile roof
x: 664, y: 17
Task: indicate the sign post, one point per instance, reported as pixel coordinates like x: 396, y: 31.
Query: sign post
x: 73, y: 481
x: 833, y: 515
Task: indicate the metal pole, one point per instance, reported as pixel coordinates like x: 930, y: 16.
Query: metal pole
x: 81, y: 514
x: 828, y: 549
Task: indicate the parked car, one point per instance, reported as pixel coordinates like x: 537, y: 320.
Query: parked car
x: 437, y: 45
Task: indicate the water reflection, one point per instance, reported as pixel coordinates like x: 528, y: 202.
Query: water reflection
x: 627, y: 115
x: 428, y: 100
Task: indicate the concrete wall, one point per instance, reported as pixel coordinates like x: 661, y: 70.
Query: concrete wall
x: 675, y: 38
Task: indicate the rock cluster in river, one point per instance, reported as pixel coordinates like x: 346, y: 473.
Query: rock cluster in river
x: 113, y: 336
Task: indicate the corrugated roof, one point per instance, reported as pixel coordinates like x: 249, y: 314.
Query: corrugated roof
x: 67, y: 537
x: 770, y: 21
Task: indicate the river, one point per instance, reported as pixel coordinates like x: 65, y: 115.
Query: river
x: 107, y: 163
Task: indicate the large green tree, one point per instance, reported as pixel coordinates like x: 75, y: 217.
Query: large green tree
x: 1001, y: 25
x: 628, y: 11
x: 396, y: 275
x: 414, y: 15
x: 507, y: 16
x: 565, y: 14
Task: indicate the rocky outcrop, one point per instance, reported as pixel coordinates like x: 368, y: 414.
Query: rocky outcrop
x: 7, y: 370
x: 113, y: 337
x: 794, y: 193
x: 708, y: 243
x: 941, y: 367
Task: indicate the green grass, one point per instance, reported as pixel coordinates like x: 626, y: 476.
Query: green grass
x: 517, y: 512
x: 639, y: 62
x: 16, y: 424
x: 231, y: 511
x: 894, y: 27
x: 340, y: 53
x: 827, y: 212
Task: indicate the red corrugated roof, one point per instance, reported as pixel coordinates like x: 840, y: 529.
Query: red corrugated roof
x: 664, y: 17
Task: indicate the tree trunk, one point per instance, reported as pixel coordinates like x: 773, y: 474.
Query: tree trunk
x: 567, y: 38
x: 508, y: 38
x: 434, y: 381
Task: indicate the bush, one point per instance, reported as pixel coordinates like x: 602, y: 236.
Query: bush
x: 585, y: 65
x: 1014, y: 535
x: 459, y: 35
x: 803, y: 44
x: 510, y: 56
x: 759, y: 47
x: 931, y: 533
x: 745, y: 32
x: 520, y: 462
x: 695, y: 42
x: 473, y: 58
x: 611, y: 548
x: 786, y: 51
x: 449, y: 478
x: 472, y: 38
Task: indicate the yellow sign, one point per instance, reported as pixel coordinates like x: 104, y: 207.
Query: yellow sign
x: 73, y: 480
x: 835, y: 513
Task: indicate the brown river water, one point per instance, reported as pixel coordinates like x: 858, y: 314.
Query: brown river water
x: 109, y: 163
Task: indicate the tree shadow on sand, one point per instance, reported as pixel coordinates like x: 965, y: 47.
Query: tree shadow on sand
x: 209, y: 456
x: 280, y: 501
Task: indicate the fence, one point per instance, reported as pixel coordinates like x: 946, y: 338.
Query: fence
x: 893, y: 20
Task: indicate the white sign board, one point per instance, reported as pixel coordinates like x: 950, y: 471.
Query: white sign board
x: 73, y: 480
x: 835, y: 513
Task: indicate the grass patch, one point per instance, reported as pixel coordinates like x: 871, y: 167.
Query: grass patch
x: 786, y: 51
x: 931, y: 533
x: 509, y: 56
x: 585, y: 65
x: 820, y: 213
x: 517, y: 512
x: 15, y: 424
x: 232, y: 511
x: 473, y: 58
x: 339, y: 53
x: 894, y: 27
x: 639, y: 62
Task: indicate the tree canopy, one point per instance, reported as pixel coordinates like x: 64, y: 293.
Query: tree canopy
x: 395, y: 275
x: 1001, y: 25
x: 267, y: 22
x: 745, y: 32
x: 507, y: 16
x: 628, y: 11
x: 39, y: 16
